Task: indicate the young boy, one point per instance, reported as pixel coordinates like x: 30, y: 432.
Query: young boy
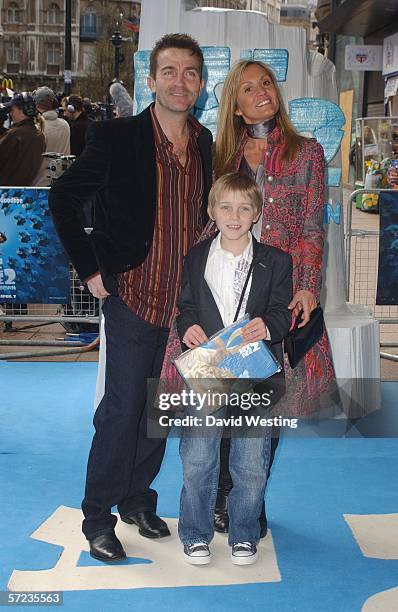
x: 214, y: 274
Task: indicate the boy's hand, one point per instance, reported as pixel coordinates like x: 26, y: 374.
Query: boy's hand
x: 255, y: 330
x: 194, y: 336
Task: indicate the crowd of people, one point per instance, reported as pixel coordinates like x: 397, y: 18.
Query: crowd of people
x: 42, y: 122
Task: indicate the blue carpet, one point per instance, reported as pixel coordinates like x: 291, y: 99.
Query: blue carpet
x: 45, y: 416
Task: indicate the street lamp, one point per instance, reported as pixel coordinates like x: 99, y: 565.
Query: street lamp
x: 117, y: 40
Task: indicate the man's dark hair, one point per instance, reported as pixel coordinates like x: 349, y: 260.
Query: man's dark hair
x: 175, y: 41
x: 75, y: 101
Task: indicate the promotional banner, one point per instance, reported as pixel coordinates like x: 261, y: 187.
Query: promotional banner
x: 387, y: 281
x: 33, y: 265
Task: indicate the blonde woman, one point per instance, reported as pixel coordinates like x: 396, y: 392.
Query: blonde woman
x: 255, y: 136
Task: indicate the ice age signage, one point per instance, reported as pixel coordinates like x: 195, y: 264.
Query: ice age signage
x: 33, y: 265
x: 320, y: 119
x: 277, y: 59
x: 315, y: 117
x: 387, y: 281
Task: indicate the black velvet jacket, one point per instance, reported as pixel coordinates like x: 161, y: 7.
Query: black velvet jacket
x: 117, y: 170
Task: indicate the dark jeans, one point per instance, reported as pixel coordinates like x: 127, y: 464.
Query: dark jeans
x: 123, y: 461
x: 225, y: 481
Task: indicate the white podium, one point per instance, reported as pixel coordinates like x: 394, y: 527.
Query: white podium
x: 355, y: 343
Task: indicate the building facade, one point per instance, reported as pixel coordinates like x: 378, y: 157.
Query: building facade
x: 272, y: 8
x: 301, y: 15
x: 355, y: 22
x: 32, y: 35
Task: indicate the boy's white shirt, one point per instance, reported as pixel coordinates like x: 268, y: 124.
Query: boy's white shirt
x: 225, y: 274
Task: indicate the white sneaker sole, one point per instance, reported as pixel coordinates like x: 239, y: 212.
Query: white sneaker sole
x: 197, y: 560
x: 244, y: 560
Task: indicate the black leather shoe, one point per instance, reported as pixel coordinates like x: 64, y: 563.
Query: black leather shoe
x: 263, y: 522
x: 221, y: 522
x: 221, y: 518
x: 148, y: 523
x: 107, y: 548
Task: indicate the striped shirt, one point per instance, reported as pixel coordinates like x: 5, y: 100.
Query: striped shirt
x: 151, y: 289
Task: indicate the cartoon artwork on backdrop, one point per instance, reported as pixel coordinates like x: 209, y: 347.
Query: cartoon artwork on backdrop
x: 33, y: 265
x: 387, y: 282
x: 313, y: 117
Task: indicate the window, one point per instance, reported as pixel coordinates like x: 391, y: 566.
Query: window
x: 53, y: 54
x: 53, y: 58
x: 88, y: 25
x: 13, y: 12
x: 54, y: 14
x: 13, y: 53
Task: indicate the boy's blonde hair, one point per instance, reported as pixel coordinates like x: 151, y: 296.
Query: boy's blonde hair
x: 236, y: 182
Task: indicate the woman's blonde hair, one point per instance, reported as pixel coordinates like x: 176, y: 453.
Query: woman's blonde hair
x: 230, y: 126
x: 39, y: 122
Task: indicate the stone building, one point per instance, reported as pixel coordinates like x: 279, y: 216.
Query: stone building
x: 32, y: 38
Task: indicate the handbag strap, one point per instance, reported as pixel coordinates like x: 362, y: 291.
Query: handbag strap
x: 242, y: 295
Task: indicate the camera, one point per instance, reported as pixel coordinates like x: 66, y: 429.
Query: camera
x: 57, y: 164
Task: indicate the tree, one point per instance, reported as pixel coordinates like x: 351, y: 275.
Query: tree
x: 100, y: 74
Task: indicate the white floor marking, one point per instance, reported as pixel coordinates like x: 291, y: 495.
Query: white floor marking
x: 377, y: 537
x: 168, y: 568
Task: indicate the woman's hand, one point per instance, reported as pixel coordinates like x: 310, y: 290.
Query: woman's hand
x: 255, y: 330
x: 194, y: 336
x: 305, y: 301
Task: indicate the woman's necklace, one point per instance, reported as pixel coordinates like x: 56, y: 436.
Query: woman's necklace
x: 260, y: 130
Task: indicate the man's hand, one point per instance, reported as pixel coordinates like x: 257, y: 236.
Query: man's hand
x: 96, y: 286
x: 255, y: 330
x: 194, y: 336
x: 305, y: 301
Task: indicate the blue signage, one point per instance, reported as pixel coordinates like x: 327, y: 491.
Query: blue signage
x: 33, y: 265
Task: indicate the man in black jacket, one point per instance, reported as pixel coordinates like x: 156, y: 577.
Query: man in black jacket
x: 78, y: 121
x: 151, y: 175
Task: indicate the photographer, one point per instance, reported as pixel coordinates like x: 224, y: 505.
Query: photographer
x: 56, y: 131
x: 22, y: 145
x: 77, y: 118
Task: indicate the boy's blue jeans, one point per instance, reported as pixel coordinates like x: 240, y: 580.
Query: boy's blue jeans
x: 248, y: 464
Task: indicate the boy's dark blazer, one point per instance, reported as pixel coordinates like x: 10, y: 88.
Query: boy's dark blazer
x: 118, y: 170
x: 270, y: 293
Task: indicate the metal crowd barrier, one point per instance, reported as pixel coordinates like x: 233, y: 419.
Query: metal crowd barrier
x: 83, y: 310
x: 362, y: 258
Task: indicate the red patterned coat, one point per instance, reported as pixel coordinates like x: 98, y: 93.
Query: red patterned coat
x: 293, y: 221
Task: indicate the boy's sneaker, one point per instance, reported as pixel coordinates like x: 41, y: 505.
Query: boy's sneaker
x: 244, y: 553
x: 197, y: 554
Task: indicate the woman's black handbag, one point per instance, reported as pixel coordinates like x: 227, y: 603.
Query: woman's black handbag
x: 300, y: 340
